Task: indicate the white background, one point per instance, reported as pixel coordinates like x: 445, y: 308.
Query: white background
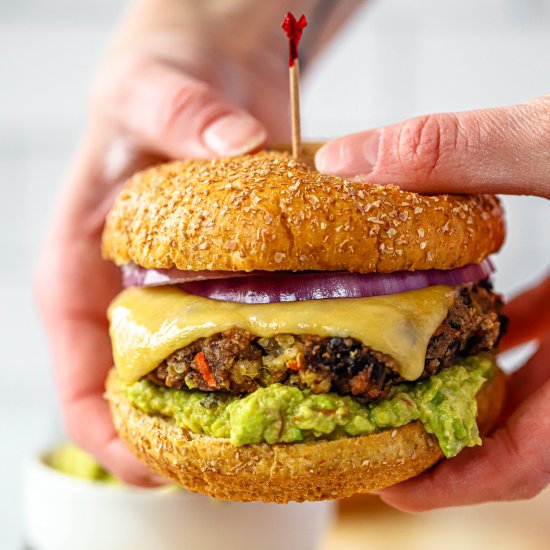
x: 396, y: 59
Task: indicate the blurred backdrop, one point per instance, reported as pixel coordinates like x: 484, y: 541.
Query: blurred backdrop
x: 396, y: 59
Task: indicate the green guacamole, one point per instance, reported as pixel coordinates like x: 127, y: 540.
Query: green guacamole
x: 444, y: 403
x: 71, y: 460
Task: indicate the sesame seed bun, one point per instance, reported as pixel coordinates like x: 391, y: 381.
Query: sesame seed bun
x: 269, y: 212
x: 282, y: 473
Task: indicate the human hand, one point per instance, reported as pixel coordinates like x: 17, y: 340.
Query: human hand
x: 157, y: 97
x: 501, y: 150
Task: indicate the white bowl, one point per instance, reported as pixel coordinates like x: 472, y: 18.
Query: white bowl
x: 68, y: 513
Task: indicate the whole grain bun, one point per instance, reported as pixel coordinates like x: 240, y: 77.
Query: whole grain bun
x: 269, y: 212
x: 285, y: 472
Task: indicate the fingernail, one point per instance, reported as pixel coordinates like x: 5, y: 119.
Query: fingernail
x: 234, y: 134
x: 353, y: 155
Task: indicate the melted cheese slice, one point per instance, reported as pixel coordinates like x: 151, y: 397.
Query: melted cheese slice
x: 148, y: 324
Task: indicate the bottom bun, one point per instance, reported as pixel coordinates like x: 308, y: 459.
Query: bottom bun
x: 316, y: 470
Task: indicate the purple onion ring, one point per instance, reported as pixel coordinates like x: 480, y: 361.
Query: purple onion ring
x: 261, y: 287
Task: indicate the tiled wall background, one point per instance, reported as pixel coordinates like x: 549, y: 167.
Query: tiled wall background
x: 396, y: 59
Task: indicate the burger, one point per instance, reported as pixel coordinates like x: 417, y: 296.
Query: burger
x: 286, y: 335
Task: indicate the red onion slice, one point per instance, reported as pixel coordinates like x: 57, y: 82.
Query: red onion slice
x: 135, y: 275
x: 269, y: 287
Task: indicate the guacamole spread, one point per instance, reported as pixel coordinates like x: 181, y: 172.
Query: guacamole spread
x: 445, y: 403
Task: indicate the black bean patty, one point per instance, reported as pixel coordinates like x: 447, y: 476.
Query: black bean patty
x: 238, y: 362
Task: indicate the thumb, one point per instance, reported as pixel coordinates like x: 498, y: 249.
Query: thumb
x: 175, y: 115
x: 500, y: 150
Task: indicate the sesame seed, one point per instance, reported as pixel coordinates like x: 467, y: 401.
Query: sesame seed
x: 342, y: 245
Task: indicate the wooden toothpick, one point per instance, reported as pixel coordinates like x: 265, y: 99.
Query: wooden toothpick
x: 293, y: 30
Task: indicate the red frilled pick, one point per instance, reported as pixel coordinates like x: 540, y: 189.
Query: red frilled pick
x: 293, y: 30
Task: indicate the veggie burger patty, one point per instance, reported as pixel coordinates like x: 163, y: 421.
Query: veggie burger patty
x: 238, y: 362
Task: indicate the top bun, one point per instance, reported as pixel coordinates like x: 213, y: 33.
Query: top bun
x: 270, y: 212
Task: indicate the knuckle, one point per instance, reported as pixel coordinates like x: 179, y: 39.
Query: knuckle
x: 537, y: 117
x: 182, y: 103
x: 425, y: 142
